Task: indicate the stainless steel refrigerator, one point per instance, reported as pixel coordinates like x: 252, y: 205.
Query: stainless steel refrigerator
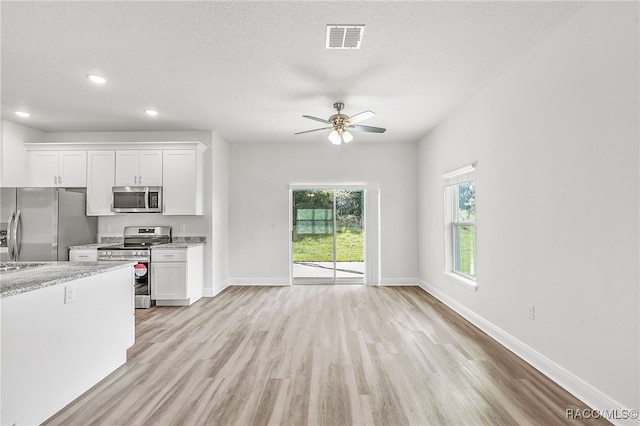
x: 39, y: 224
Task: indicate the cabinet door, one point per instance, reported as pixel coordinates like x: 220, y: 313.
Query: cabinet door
x: 100, y: 180
x: 126, y: 168
x: 72, y: 169
x: 182, y: 186
x: 42, y: 168
x: 168, y: 280
x: 150, y: 167
x: 195, y: 272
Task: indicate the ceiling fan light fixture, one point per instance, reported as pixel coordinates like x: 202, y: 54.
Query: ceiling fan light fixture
x: 339, y: 123
x: 335, y: 138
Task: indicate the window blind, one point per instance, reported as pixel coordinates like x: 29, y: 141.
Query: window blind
x: 459, y: 175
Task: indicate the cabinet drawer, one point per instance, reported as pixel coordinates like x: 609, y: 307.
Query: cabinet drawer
x: 164, y: 255
x: 83, y: 255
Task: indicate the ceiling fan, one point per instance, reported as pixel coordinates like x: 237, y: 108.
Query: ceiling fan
x: 341, y: 122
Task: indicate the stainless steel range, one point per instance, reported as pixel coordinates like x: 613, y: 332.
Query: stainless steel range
x: 138, y: 241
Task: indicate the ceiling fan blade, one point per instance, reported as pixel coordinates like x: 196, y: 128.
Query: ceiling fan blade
x: 360, y: 116
x: 370, y: 129
x: 314, y: 130
x: 322, y: 120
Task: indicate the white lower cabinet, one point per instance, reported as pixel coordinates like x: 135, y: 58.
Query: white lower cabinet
x: 176, y: 275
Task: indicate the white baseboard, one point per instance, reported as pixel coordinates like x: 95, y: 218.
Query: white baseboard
x: 286, y: 281
x: 582, y: 390
x: 399, y: 282
x: 260, y: 281
x: 211, y: 292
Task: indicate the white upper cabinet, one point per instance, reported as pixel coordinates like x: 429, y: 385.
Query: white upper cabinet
x: 101, y: 167
x: 182, y: 182
x: 57, y: 168
x: 176, y: 166
x: 139, y: 168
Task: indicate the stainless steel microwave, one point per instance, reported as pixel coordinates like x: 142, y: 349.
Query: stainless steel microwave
x: 136, y: 199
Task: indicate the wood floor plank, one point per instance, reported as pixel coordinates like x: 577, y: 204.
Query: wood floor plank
x: 318, y: 355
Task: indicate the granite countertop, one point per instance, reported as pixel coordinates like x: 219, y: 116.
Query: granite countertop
x: 34, y: 275
x: 179, y: 245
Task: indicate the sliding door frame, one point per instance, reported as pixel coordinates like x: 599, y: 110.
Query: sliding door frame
x: 371, y: 226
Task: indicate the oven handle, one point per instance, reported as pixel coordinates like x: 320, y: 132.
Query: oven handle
x: 123, y: 259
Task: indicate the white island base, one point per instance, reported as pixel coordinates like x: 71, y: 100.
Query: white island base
x: 56, y: 345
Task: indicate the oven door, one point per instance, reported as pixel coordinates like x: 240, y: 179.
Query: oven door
x: 142, y: 284
x: 136, y: 199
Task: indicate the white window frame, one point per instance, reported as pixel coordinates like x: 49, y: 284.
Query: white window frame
x: 450, y: 182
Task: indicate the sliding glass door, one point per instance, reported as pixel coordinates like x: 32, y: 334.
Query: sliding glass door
x: 328, y: 236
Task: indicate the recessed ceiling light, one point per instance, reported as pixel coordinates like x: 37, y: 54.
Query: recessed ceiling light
x: 151, y: 112
x: 97, y: 79
x: 22, y: 114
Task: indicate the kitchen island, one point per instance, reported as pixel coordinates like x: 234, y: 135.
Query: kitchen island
x: 29, y: 276
x: 65, y: 326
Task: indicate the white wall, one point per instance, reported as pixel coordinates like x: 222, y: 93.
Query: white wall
x: 215, y: 174
x: 220, y: 215
x: 13, y: 162
x: 260, y: 175
x: 556, y: 141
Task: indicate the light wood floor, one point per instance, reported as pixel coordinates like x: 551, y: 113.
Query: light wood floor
x: 318, y: 355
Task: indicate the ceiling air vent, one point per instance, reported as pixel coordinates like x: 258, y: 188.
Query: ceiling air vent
x: 344, y: 36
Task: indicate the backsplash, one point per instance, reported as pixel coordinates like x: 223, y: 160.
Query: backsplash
x: 196, y: 239
x: 111, y: 240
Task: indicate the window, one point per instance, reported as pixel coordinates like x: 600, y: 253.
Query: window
x: 460, y: 225
x: 315, y: 221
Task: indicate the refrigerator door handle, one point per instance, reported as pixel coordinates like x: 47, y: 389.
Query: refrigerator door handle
x: 16, y: 243
x: 9, y: 238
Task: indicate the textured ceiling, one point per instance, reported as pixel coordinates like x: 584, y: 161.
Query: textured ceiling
x: 249, y: 70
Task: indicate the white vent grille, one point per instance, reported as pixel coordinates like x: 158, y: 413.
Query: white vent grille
x: 344, y: 36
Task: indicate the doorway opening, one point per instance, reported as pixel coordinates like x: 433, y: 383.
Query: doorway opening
x: 328, y: 236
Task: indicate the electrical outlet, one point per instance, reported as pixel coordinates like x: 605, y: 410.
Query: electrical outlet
x: 531, y: 309
x: 183, y: 227
x: 69, y: 294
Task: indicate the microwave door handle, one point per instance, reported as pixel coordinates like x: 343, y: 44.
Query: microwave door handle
x: 146, y: 197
